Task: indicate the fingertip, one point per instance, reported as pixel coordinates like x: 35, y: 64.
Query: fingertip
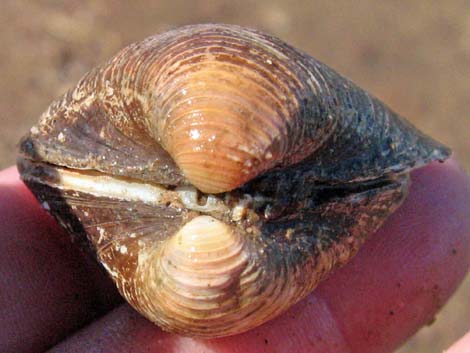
x: 461, y: 346
x: 9, y: 175
x: 48, y: 289
x: 407, y: 271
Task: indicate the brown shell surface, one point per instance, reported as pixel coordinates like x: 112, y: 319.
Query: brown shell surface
x: 220, y: 173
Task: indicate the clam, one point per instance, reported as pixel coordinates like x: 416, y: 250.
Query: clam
x: 219, y: 173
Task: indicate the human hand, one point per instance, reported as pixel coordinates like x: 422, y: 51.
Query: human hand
x: 396, y: 284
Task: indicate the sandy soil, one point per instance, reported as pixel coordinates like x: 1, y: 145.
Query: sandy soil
x: 414, y: 55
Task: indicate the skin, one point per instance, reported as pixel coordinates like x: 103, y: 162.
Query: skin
x: 395, y: 285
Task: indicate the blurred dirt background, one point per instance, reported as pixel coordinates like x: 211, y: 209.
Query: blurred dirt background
x: 414, y: 55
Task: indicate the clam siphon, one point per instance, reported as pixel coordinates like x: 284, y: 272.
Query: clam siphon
x: 220, y: 173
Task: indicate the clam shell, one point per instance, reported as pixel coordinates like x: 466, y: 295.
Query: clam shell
x: 214, y: 106
x: 219, y: 174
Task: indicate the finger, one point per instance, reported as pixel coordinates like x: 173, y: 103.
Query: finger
x: 396, y: 284
x: 410, y: 268
x: 461, y: 346
x: 47, y: 289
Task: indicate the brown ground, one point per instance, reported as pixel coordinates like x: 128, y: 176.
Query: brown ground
x: 413, y: 55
